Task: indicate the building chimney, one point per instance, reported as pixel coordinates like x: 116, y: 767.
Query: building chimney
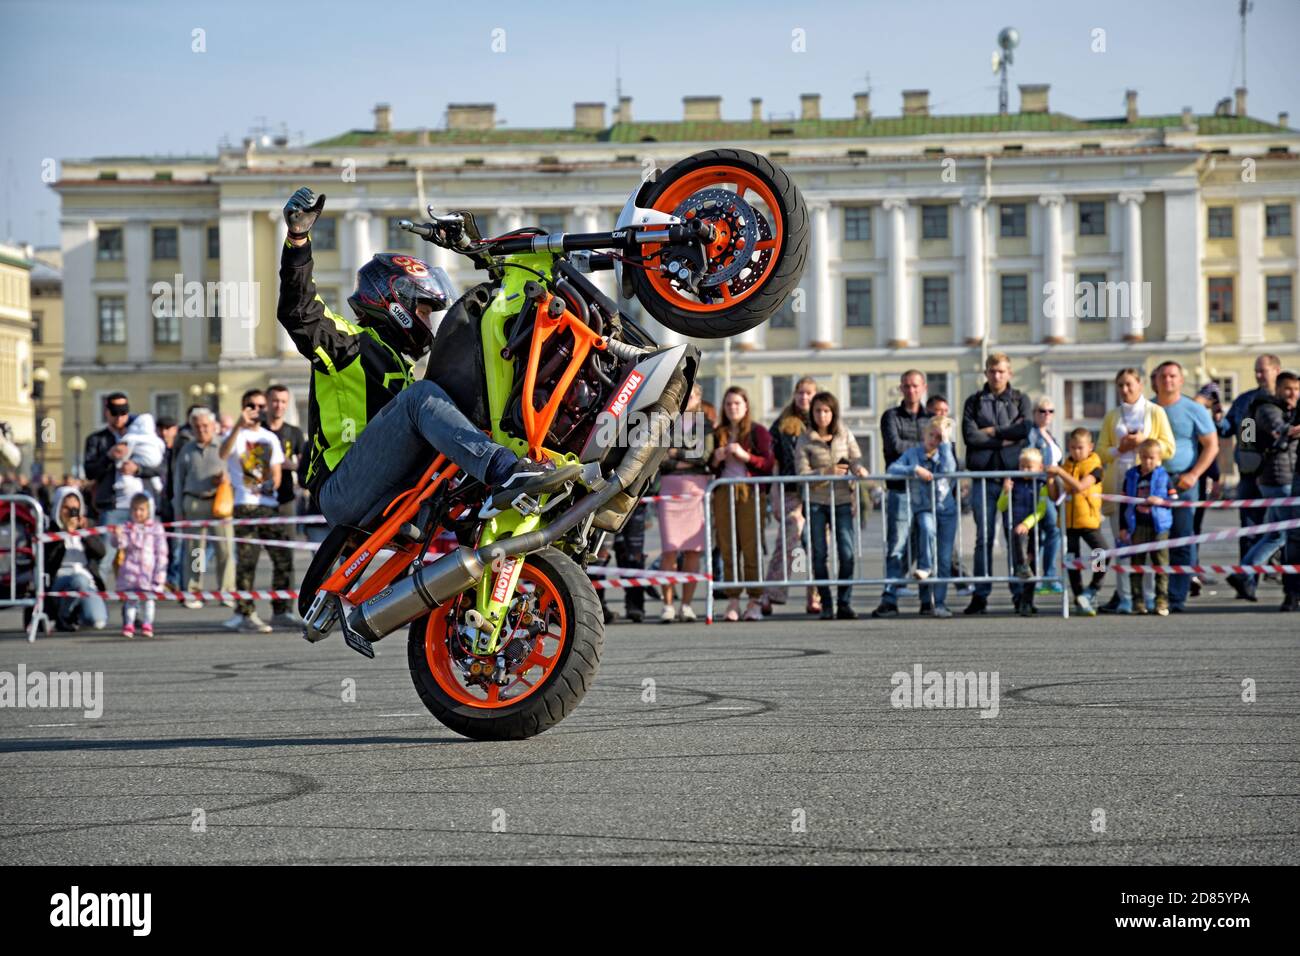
x: 1130, y: 106
x: 756, y: 109
x: 383, y: 118
x: 701, y: 109
x: 862, y: 106
x: 478, y: 116
x: 1189, y: 121
x: 916, y: 102
x: 1241, y: 101
x: 1033, y: 97
x: 624, y: 109
x: 588, y: 115
x: 1284, y: 120
x: 810, y: 106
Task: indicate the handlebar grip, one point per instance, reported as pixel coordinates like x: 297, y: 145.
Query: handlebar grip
x: 425, y: 230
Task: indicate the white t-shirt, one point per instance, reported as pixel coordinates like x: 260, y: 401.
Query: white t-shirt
x: 254, y: 452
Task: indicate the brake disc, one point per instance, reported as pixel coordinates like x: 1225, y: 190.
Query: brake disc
x: 756, y: 261
x: 736, y: 223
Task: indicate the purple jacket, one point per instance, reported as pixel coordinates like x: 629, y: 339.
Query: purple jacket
x: 145, y: 567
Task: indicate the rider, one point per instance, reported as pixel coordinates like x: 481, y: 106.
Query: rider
x: 362, y: 392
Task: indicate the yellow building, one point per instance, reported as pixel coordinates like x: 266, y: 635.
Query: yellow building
x: 51, y: 442
x: 1075, y: 245
x: 16, y: 348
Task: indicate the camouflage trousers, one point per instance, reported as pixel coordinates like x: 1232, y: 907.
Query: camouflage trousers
x: 246, y: 565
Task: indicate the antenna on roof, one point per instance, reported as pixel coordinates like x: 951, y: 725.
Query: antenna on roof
x: 1245, y: 8
x: 1008, y: 40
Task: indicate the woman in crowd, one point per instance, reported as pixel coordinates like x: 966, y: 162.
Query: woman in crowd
x: 685, y: 476
x: 828, y: 448
x: 742, y: 449
x: 73, y: 565
x: 789, y: 426
x: 1124, y: 428
x: 1041, y: 437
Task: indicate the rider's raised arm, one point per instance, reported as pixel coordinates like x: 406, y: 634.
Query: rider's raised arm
x: 316, y: 332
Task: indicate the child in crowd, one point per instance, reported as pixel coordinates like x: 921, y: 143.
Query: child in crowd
x: 1149, y: 521
x: 1025, y: 499
x: 145, y: 566
x: 934, y: 508
x: 145, y: 448
x: 1081, y: 474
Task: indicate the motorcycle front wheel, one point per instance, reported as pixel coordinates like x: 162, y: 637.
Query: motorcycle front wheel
x: 756, y: 258
x: 548, y: 681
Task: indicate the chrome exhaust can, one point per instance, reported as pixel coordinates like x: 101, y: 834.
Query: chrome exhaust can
x: 427, y: 587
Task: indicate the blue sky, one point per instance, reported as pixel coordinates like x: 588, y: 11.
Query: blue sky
x: 112, y: 77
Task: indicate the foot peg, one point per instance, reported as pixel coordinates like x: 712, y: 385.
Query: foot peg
x: 525, y: 498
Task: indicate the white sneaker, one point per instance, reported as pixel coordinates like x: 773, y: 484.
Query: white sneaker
x: 233, y: 623
x: 688, y: 614
x: 668, y: 615
x: 251, y: 624
x: 920, y: 574
x: 193, y: 601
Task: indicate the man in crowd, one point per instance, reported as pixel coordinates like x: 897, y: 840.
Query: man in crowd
x: 995, y: 426
x: 292, y: 443
x: 1266, y: 368
x: 198, y: 471
x: 1196, y: 444
x: 901, y: 427
x: 103, y: 451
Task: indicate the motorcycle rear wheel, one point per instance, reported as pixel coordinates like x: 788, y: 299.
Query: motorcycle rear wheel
x: 769, y: 270
x: 567, y: 654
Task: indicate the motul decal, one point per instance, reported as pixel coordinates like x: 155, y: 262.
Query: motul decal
x: 502, y: 586
x: 356, y: 563
x: 619, y: 404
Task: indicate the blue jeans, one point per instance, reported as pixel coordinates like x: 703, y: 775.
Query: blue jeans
x: 1292, y: 581
x: 1184, y: 518
x: 396, y: 447
x: 1049, y: 535
x: 934, y: 547
x: 820, y: 521
x: 89, y: 610
x: 898, y: 520
x: 1265, y: 544
x: 1248, y: 488
x: 985, y: 505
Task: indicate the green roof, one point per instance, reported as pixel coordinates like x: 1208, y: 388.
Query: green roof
x: 677, y: 131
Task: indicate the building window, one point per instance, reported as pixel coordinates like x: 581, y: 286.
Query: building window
x: 1227, y: 388
x: 38, y: 328
x: 1090, y: 285
x: 214, y: 320
x: 1092, y: 219
x: 552, y: 222
x: 857, y: 223
x: 1277, y: 220
x: 164, y: 242
x: 112, y: 320
x: 709, y: 387
x: 934, y: 296
x: 860, y: 391
x: 109, y: 245
x: 398, y: 238
x: 166, y: 329
x: 1012, y: 217
x: 857, y: 302
x: 325, y: 234
x: 1220, y: 220
x: 167, y: 405
x: 934, y: 222
x: 936, y: 383
x: 1086, y: 398
x: 782, y: 389
x: 783, y: 318
x: 1015, y: 300
x: 1220, y: 299
x: 214, y: 242
x: 1277, y: 298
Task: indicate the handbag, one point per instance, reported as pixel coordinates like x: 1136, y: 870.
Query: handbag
x: 223, y: 502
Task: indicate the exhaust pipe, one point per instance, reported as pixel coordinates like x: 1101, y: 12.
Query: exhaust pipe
x: 427, y: 587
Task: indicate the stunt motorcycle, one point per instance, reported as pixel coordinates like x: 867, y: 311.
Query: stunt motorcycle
x: 505, y: 631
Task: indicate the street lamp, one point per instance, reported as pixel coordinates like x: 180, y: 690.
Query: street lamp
x: 40, y: 375
x: 77, y: 385
x: 210, y: 390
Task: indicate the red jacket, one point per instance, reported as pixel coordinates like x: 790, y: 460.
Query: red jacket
x: 762, y: 458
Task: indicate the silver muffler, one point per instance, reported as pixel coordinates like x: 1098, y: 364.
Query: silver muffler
x: 419, y: 592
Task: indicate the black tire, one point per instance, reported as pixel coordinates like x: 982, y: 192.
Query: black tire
x: 563, y: 688
x: 756, y: 308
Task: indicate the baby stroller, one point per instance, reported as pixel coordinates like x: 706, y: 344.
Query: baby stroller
x: 19, y: 528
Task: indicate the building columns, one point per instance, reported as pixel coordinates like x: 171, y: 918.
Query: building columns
x: 1053, y: 271
x: 356, y: 240
x: 78, y: 239
x: 1249, y: 291
x: 976, y: 295
x: 1132, y: 328
x: 824, y: 328
x: 193, y: 251
x: 238, y: 302
x: 899, y: 334
x: 139, y: 297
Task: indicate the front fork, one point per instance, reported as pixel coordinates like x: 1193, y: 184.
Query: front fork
x: 495, y: 591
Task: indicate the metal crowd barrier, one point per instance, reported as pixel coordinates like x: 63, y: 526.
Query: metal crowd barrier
x: 853, y: 490
x: 26, y: 574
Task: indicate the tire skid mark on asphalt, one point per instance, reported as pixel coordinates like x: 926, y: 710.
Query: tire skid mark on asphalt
x: 303, y: 785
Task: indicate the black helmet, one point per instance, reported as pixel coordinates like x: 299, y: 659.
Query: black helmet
x: 389, y: 288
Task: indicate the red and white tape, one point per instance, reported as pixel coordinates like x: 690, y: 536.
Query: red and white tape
x: 1226, y: 503
x: 184, y: 523
x: 269, y: 542
x: 1193, y: 568
x: 657, y: 580
x: 179, y: 596
x: 1227, y: 534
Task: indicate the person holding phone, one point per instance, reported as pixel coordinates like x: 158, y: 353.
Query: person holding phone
x: 253, y: 458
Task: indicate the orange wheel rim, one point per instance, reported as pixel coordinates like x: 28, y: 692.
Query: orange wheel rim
x: 532, y: 671
x: 707, y: 178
